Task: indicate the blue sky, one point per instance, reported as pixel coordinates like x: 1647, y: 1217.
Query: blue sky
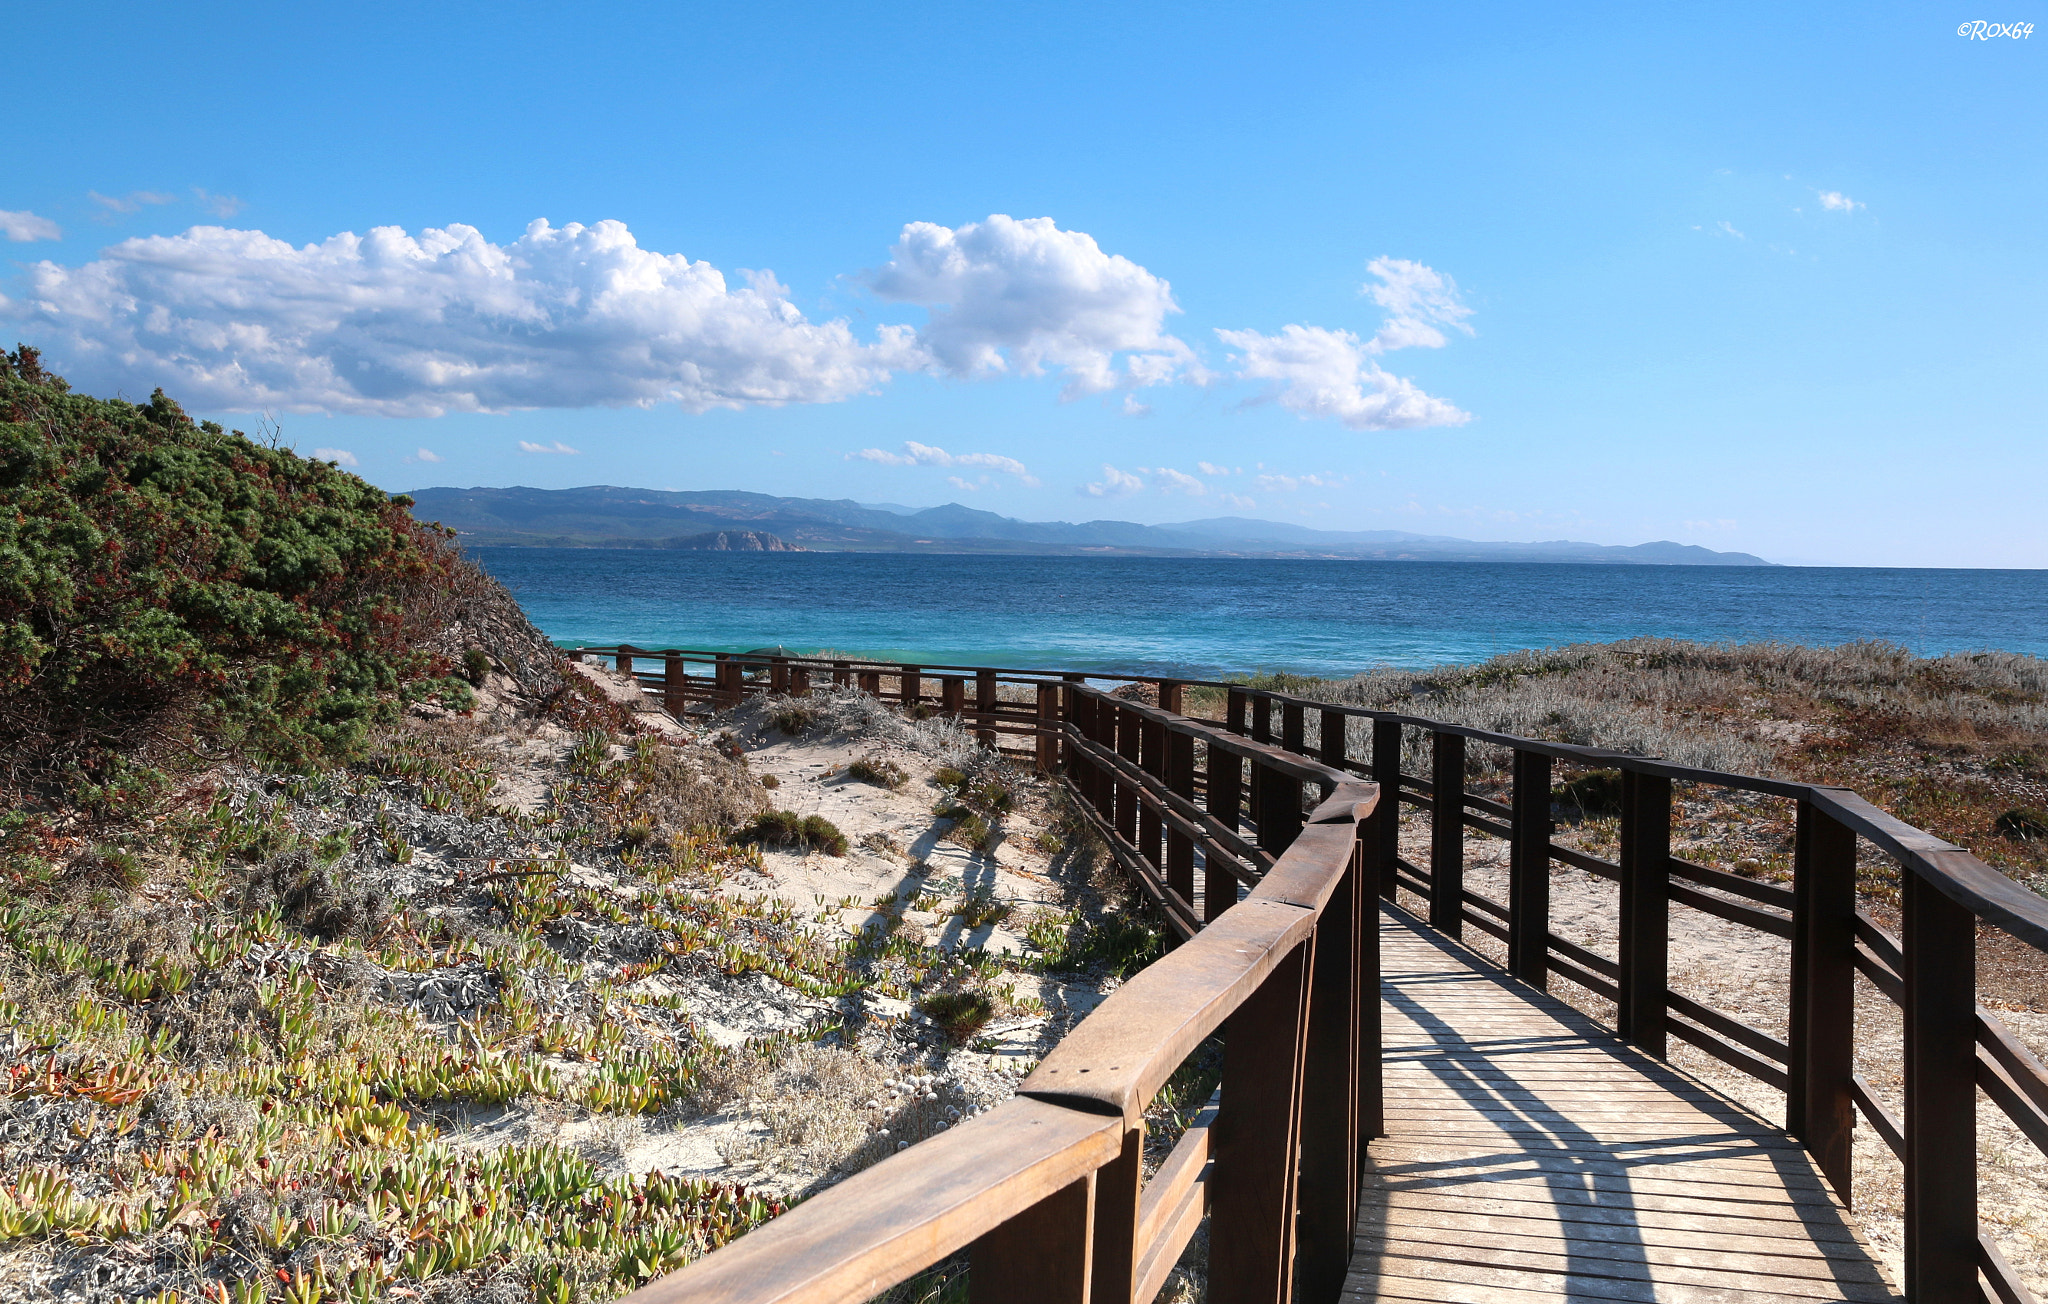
x: 1731, y: 276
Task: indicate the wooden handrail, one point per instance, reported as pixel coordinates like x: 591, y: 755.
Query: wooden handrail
x: 1004, y: 1185
x: 1132, y: 769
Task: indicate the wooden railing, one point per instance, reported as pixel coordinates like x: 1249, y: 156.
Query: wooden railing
x: 1952, y: 1046
x: 1210, y: 819
x: 1046, y: 1192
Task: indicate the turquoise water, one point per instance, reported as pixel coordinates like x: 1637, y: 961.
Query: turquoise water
x: 1203, y: 617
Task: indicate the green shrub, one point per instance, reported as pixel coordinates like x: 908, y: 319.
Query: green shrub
x: 786, y: 828
x: 980, y: 907
x: 794, y: 720
x: 991, y: 798
x: 970, y: 829
x: 476, y: 666
x: 770, y: 782
x: 167, y: 586
x: 877, y: 770
x: 2024, y: 823
x: 1597, y: 792
x: 948, y: 777
x: 823, y: 834
x: 961, y: 1014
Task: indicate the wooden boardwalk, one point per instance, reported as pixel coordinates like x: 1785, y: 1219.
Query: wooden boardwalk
x: 1533, y: 1155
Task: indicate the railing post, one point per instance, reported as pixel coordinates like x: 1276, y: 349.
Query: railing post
x: 953, y: 696
x: 1128, y: 744
x: 1330, y: 742
x: 1386, y: 772
x: 726, y: 677
x: 1262, y: 719
x: 1234, y: 710
x: 674, y: 686
x: 1045, y: 1253
x: 1372, y: 1112
x: 1939, y: 938
x: 1277, y: 804
x: 1447, y: 833
x: 1170, y: 696
x: 1180, y: 848
x: 1119, y: 1188
x: 985, y: 707
x: 1048, y: 739
x: 1152, y: 757
x: 1529, y: 872
x: 871, y: 682
x: 1819, y: 1107
x: 622, y: 661
x: 842, y: 674
x: 1645, y: 910
x: 910, y: 683
x: 1219, y: 885
x: 799, y: 681
x: 778, y: 674
x: 1330, y: 1095
x: 1256, y: 1140
x: 1293, y: 728
x: 1070, y: 711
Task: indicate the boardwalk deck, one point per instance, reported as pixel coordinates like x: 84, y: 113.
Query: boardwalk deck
x: 1533, y: 1155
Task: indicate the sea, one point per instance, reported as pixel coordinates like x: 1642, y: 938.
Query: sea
x: 1208, y: 617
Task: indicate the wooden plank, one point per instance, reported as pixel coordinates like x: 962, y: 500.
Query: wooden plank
x: 1529, y: 1204
x: 1532, y: 1155
x: 1602, y: 1279
x: 1415, y: 1217
x: 1631, y: 1254
x: 1732, y: 1269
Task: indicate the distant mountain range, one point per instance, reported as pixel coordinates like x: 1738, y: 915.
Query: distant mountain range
x: 603, y: 516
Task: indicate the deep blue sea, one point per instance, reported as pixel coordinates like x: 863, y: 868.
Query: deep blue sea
x: 1204, y: 617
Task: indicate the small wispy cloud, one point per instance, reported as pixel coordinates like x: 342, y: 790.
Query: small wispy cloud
x: 1728, y: 228
x: 1169, y: 481
x: 1290, y: 483
x: 1834, y: 201
x: 916, y: 454
x: 1133, y: 408
x: 218, y: 205
x: 132, y: 202
x: 1114, y: 484
x: 966, y: 485
x: 338, y: 456
x: 25, y: 227
x: 426, y: 455
x: 557, y: 447
x: 1235, y: 500
x: 1210, y: 468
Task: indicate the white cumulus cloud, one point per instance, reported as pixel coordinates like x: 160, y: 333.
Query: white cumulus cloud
x: 557, y: 447
x: 391, y: 324
x: 426, y: 455
x: 1025, y: 296
x: 1836, y: 202
x: 339, y: 456
x: 1114, y: 484
x: 25, y: 227
x: 1418, y: 300
x: 1316, y: 372
x: 916, y: 454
